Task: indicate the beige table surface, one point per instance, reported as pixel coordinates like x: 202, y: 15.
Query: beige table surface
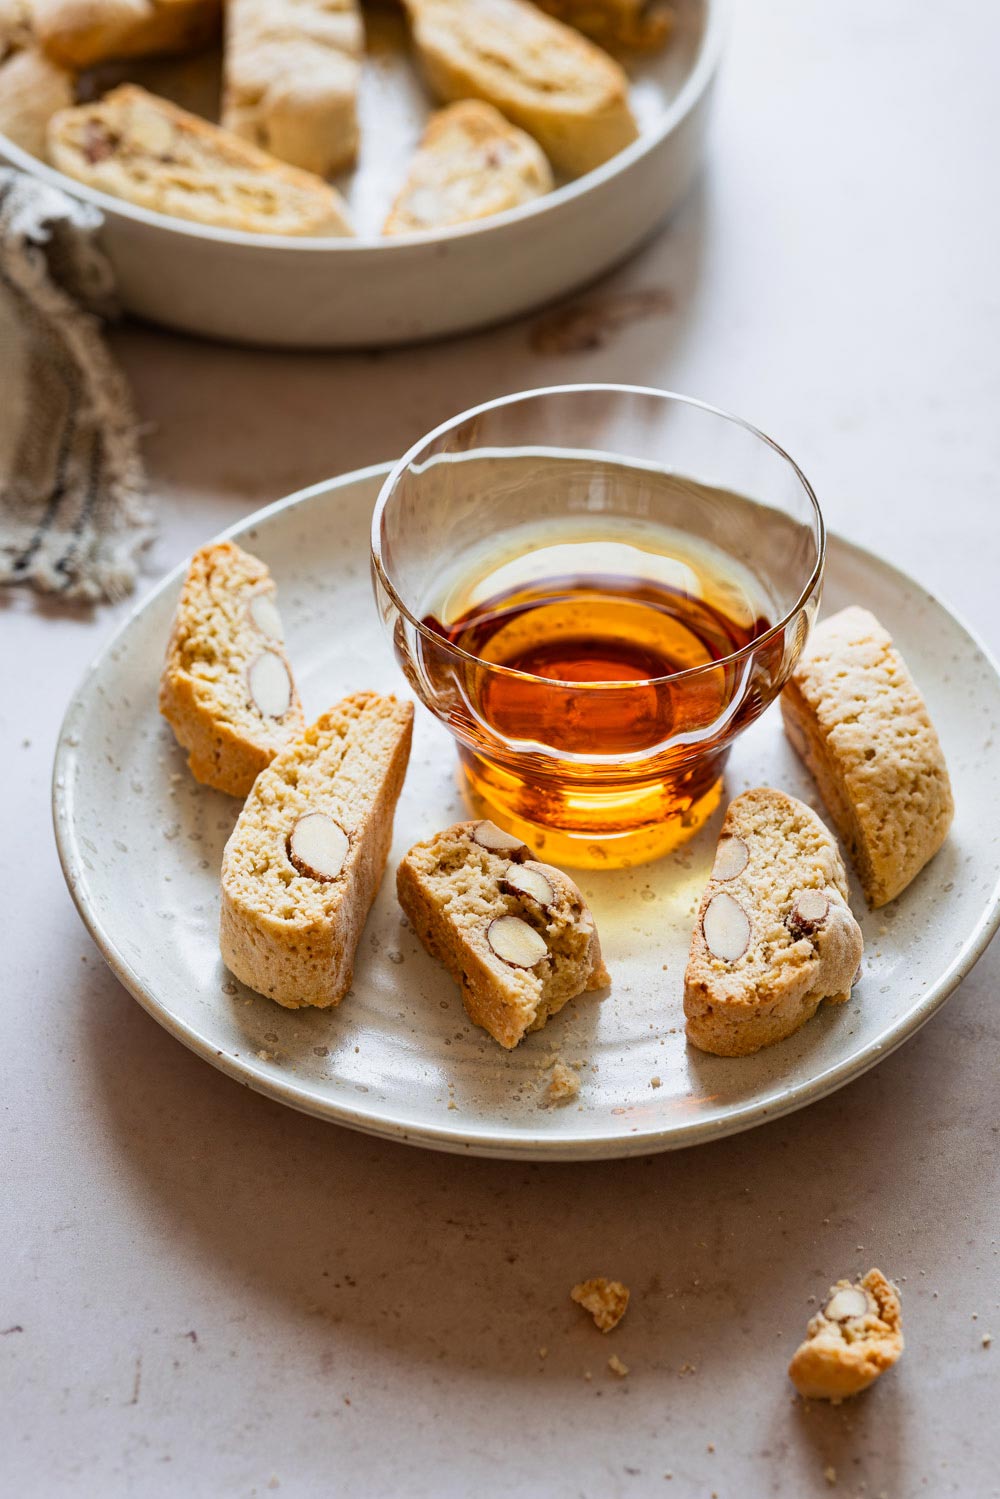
x: 203, y: 1293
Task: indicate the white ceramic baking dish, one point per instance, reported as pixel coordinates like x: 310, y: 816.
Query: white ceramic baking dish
x: 364, y: 292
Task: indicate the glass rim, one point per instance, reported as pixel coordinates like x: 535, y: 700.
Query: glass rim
x: 391, y: 481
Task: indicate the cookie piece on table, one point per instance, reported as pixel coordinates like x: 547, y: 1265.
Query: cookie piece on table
x: 139, y: 147
x: 78, y: 33
x: 856, y: 717
x: 227, y: 689
x: 470, y: 163
x: 856, y: 1336
x: 290, y: 79
x: 642, y: 25
x: 775, y: 935
x: 306, y: 857
x: 515, y: 935
x: 545, y: 77
x: 605, y: 1300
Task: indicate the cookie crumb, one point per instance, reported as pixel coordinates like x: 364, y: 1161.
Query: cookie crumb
x: 830, y: 1474
x: 605, y: 1300
x: 564, y: 1084
x: 617, y: 1367
x: 543, y: 1353
x: 987, y: 1339
x: 655, y: 1082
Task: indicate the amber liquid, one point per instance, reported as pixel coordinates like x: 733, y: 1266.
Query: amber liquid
x: 599, y: 629
x: 613, y: 646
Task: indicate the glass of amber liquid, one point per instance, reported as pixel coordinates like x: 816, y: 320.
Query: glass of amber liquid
x: 596, y: 588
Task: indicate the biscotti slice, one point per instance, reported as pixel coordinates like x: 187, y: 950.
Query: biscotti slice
x: 227, y: 689
x: 545, y: 77
x: 16, y: 27
x: 470, y: 163
x: 855, y: 715
x: 856, y: 1336
x: 515, y: 935
x: 78, y: 33
x: 642, y: 25
x: 290, y: 79
x: 308, y: 852
x: 136, y: 146
x: 32, y: 90
x: 775, y: 935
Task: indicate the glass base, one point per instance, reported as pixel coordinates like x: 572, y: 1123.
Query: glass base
x: 676, y: 818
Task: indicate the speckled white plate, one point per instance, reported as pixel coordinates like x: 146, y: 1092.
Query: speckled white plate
x: 141, y: 843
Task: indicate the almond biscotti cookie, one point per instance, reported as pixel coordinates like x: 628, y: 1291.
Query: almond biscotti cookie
x: 78, y: 33
x: 545, y: 77
x: 308, y: 852
x: 290, y: 80
x: 136, y: 146
x: 640, y: 24
x: 856, y: 1336
x: 855, y: 715
x: 515, y: 935
x: 32, y: 90
x: 470, y: 163
x: 227, y: 689
x: 32, y: 87
x: 16, y: 29
x: 775, y: 935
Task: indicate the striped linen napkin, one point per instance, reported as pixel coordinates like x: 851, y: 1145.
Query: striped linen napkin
x: 73, y: 509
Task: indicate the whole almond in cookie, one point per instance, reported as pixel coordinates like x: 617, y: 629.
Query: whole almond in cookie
x: 528, y: 879
x: 731, y: 858
x: 270, y: 684
x: 514, y: 934
x: 726, y: 928
x: 488, y: 835
x: 774, y: 935
x: 515, y: 942
x: 317, y: 846
x: 264, y: 614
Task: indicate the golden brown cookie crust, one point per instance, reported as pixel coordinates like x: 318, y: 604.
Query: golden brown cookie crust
x: 854, y: 714
x: 286, y: 930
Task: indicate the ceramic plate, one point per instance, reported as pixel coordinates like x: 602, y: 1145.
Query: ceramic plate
x: 343, y: 293
x: 141, y: 844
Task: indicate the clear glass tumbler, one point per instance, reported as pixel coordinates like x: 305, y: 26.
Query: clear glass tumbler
x: 596, y: 588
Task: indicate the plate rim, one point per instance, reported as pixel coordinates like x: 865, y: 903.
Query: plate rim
x: 698, y: 80
x: 451, y: 1139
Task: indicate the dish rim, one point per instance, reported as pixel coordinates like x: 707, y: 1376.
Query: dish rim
x: 696, y: 83
x: 453, y: 1140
